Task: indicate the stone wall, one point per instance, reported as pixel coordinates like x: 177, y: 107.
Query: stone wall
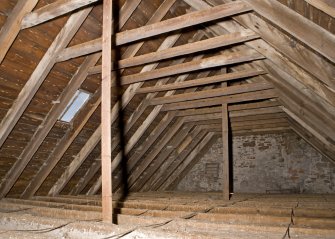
x: 270, y: 163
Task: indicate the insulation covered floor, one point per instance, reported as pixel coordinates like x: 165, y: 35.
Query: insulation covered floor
x: 171, y: 215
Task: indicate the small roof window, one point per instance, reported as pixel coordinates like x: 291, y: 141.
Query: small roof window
x: 77, y: 102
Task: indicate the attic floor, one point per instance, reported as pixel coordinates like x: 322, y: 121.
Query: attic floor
x: 171, y: 215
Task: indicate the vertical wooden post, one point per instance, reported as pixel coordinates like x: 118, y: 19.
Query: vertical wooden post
x: 225, y: 146
x: 225, y: 149
x: 106, y: 169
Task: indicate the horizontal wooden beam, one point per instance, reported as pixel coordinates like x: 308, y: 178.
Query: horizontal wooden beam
x: 231, y: 90
x: 250, y: 96
x: 254, y: 106
x: 52, y: 11
x: 210, y: 62
x: 158, y: 28
x: 203, y: 81
x: 208, y: 44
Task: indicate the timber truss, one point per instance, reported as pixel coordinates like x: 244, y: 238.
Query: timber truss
x: 184, y: 68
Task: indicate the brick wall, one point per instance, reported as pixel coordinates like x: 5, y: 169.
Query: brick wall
x: 265, y: 163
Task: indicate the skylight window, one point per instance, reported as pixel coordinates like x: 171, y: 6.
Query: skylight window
x: 76, y: 103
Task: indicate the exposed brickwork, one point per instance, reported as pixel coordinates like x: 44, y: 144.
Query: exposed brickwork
x: 266, y: 163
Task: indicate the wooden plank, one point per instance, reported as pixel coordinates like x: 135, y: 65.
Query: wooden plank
x: 312, y: 140
x: 166, y: 26
x: 40, y: 72
x: 179, y: 174
x: 296, y: 25
x: 210, y: 62
x: 326, y: 6
x: 92, y: 105
x: 164, y: 151
x: 37, y: 78
x: 226, y: 152
x: 48, y: 122
x: 106, y: 122
x: 127, y: 96
x: 53, y: 10
x: 250, y: 96
x: 125, y: 13
x: 135, y: 173
x: 198, y: 46
x: 164, y: 169
x: 291, y: 53
x: 183, y: 152
x: 282, y: 44
x: 231, y: 90
x: 239, y: 107
x: 203, y: 81
x: 12, y: 26
x: 140, y: 131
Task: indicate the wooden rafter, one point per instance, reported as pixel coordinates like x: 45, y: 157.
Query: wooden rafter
x: 40, y: 72
x: 95, y: 138
x: 284, y: 63
x: 164, y: 151
x: 194, y: 156
x: 11, y: 28
x: 297, y: 26
x: 37, y: 78
x: 49, y: 121
x: 140, y: 131
x: 166, y: 159
x: 327, y: 6
x: 53, y: 10
x: 66, y: 141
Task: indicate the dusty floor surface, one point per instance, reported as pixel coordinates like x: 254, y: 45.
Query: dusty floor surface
x: 171, y: 215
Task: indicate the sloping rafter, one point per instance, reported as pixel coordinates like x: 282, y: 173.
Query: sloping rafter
x: 12, y: 26
x: 35, y: 81
x: 275, y: 58
x: 63, y: 145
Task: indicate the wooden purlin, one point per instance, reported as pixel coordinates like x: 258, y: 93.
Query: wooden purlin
x: 137, y: 135
x: 157, y: 28
x: 34, y: 82
x: 186, y: 49
x: 202, y: 81
x: 277, y: 59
